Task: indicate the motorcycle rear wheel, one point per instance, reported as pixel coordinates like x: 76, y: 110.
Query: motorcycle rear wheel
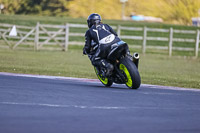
x: 104, y: 80
x: 133, y: 80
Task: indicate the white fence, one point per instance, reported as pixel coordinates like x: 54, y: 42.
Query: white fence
x: 169, y: 39
x: 44, y: 36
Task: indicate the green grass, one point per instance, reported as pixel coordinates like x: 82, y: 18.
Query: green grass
x: 154, y: 68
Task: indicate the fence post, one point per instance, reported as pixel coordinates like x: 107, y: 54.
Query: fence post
x: 170, y: 41
x: 118, y: 30
x: 144, y: 40
x: 37, y: 35
x: 197, y: 45
x: 66, y: 37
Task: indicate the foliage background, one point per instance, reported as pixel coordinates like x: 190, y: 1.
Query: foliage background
x: 171, y: 11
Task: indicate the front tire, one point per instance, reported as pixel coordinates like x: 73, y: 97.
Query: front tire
x: 133, y: 80
x: 104, y: 80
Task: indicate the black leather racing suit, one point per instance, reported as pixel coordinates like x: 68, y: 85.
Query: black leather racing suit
x: 98, y: 41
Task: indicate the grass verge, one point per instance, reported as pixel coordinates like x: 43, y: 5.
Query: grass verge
x: 153, y: 68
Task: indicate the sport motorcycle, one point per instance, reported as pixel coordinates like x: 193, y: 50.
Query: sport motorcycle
x: 125, y: 67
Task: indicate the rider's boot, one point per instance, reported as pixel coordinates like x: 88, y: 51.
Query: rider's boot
x: 108, y: 67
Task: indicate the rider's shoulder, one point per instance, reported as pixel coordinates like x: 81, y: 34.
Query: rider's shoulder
x: 107, y: 25
x: 87, y: 32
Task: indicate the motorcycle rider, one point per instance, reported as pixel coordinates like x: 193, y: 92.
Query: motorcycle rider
x: 99, y: 39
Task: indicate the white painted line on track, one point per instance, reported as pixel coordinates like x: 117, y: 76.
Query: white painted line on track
x: 94, y: 81
x: 64, y: 106
x: 96, y: 107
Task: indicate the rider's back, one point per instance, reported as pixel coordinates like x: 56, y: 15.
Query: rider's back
x: 103, y: 34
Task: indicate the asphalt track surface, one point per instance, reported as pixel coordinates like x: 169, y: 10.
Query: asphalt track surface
x: 31, y: 104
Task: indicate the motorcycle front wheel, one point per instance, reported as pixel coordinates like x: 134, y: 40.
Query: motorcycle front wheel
x: 128, y: 68
x: 104, y: 80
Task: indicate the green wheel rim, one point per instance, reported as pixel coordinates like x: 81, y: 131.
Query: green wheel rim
x: 129, y: 81
x: 103, y: 80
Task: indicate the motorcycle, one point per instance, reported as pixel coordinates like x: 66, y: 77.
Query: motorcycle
x: 125, y: 67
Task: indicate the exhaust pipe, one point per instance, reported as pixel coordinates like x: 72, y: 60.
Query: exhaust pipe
x: 136, y: 58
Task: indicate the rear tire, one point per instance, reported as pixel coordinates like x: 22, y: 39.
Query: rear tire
x: 104, y: 80
x: 132, y: 74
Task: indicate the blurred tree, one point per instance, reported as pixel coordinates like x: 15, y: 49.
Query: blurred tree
x: 173, y: 11
x: 179, y: 11
x: 42, y: 7
x: 176, y: 11
x: 54, y: 7
x: 111, y: 9
x: 108, y: 9
x: 29, y: 7
x: 10, y: 6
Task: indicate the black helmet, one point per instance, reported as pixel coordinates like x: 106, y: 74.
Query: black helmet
x: 94, y: 18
